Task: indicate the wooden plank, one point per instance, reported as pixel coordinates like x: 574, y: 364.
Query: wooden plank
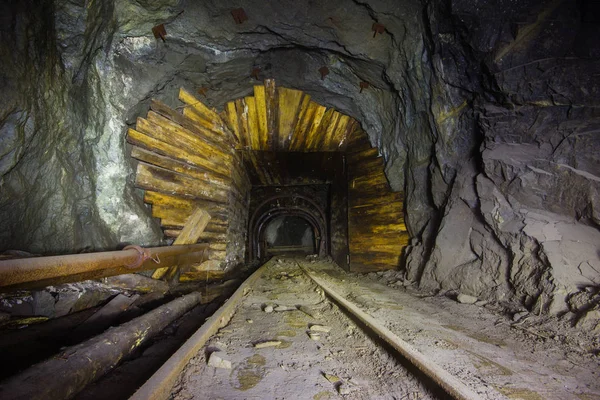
x: 219, y: 212
x: 149, y: 143
x: 211, y: 137
x: 162, y: 200
x: 184, y: 142
x: 210, y: 116
x: 216, y: 131
x: 252, y: 118
x: 198, y: 141
x: 320, y: 133
x: 180, y: 167
x: 338, y: 136
x: 303, y: 126
x: 232, y: 119
x: 174, y: 233
x: 329, y: 131
x: 158, y: 179
x: 311, y: 135
x: 272, y: 114
x: 297, y: 135
x: 261, y: 111
x: 189, y: 235
x: 343, y: 141
x: 289, y: 107
x: 175, y: 218
x: 240, y: 109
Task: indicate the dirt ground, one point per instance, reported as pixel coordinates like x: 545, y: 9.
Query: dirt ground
x: 342, y: 362
x: 498, y: 358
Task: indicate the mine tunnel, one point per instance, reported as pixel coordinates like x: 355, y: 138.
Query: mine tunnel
x: 300, y: 200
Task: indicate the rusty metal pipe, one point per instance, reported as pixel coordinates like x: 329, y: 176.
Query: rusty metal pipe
x: 43, y: 271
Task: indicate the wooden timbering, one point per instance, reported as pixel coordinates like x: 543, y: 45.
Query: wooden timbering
x: 187, y: 161
x: 376, y: 231
x: 193, y: 228
x: 282, y: 119
x: 199, y: 158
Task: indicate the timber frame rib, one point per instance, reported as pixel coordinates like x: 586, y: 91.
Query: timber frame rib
x: 201, y: 159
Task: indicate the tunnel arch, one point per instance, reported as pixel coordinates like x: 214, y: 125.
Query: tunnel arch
x: 289, y: 205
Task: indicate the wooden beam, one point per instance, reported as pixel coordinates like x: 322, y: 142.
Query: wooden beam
x: 66, y: 374
x: 158, y: 179
x: 189, y: 235
x: 272, y: 113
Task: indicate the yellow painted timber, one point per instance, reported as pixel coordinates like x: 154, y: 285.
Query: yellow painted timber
x: 166, y: 149
x: 219, y: 246
x: 189, y: 235
x: 159, y: 179
x: 173, y: 233
x: 289, y: 107
x: 253, y: 131
x: 302, y: 110
x: 178, y: 166
x: 172, y: 207
x: 312, y: 135
x: 307, y: 111
x: 173, y: 218
x: 232, y: 119
x: 197, y: 140
x: 338, y: 138
x: 343, y: 144
x: 216, y: 132
x: 182, y: 140
x: 215, y: 139
x: 240, y: 108
x: 261, y: 111
x: 319, y: 137
x: 330, y: 132
x: 272, y: 113
x: 204, y: 111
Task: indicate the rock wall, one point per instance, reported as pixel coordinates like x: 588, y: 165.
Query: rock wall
x: 513, y: 171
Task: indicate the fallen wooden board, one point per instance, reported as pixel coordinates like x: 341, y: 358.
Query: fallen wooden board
x: 189, y: 235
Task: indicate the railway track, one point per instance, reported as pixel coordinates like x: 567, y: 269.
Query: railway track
x: 287, y: 334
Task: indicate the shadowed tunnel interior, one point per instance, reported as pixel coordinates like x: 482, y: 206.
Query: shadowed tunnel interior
x: 454, y: 144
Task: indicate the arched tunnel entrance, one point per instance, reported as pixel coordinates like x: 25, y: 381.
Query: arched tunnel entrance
x: 293, y: 208
x: 277, y: 154
x: 288, y: 234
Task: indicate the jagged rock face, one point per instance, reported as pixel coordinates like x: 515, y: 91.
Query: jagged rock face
x: 486, y: 113
x: 520, y: 222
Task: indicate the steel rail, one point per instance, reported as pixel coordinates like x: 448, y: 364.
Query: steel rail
x: 160, y: 385
x: 44, y: 271
x: 447, y: 382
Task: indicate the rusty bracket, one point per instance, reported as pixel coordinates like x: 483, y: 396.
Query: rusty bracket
x: 364, y: 85
x: 159, y: 31
x: 239, y: 15
x: 377, y: 28
x: 324, y: 72
x: 203, y: 91
x: 143, y: 255
x: 255, y: 72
